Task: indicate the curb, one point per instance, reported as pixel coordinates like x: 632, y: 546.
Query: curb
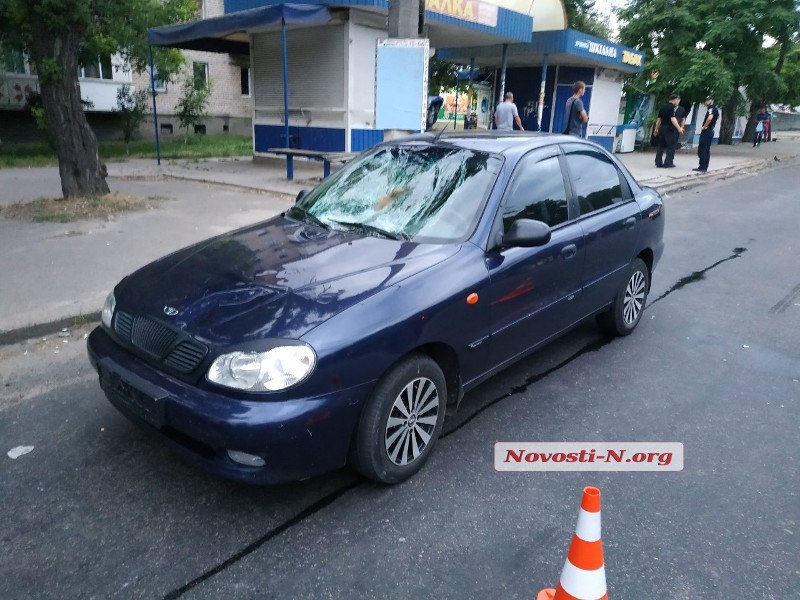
x: 21, y: 334
x: 720, y: 175
x: 163, y: 176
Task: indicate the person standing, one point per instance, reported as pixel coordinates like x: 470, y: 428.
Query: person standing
x: 667, y: 130
x: 759, y: 132
x: 761, y: 126
x: 707, y: 135
x: 506, y: 114
x: 576, y: 112
x: 767, y: 125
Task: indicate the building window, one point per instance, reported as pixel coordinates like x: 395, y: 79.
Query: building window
x: 102, y: 69
x: 200, y: 74
x: 245, y: 81
x: 13, y: 61
x: 160, y: 84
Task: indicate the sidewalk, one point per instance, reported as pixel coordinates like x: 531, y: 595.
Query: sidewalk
x: 53, y: 273
x: 270, y: 174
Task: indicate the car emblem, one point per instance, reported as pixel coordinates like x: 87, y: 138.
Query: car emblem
x: 170, y: 311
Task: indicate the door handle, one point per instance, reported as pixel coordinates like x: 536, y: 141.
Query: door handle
x: 569, y: 251
x: 629, y: 223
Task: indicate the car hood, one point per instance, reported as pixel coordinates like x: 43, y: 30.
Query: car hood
x: 276, y: 279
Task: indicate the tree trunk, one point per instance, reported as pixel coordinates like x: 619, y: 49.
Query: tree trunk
x: 55, y: 54
x: 728, y: 122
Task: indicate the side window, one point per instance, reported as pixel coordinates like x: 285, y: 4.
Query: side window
x: 536, y: 192
x: 595, y: 180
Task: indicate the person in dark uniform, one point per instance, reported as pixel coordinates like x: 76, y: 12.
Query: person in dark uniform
x: 667, y: 129
x: 707, y: 135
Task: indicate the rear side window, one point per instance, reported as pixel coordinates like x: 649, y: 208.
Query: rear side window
x: 536, y: 192
x: 595, y: 180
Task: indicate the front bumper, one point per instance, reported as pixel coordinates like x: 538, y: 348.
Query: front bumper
x: 297, y: 438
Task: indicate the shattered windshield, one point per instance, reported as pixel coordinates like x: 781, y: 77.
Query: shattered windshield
x: 421, y: 192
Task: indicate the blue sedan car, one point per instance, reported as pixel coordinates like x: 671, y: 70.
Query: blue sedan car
x: 341, y: 330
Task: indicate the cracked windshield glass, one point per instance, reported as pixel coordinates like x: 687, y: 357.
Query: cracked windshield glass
x: 432, y: 194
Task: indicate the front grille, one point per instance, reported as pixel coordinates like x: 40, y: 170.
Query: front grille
x: 168, y: 346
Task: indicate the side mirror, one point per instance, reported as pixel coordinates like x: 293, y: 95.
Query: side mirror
x: 527, y: 233
x: 300, y: 195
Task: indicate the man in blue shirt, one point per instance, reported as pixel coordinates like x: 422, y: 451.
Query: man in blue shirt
x: 707, y: 135
x: 576, y: 112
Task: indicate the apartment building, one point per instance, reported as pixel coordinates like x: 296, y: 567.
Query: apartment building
x: 229, y: 107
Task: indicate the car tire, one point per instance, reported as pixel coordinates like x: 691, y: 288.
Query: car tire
x: 629, y: 302
x: 401, y: 421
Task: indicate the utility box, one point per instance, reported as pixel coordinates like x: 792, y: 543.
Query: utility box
x: 627, y: 134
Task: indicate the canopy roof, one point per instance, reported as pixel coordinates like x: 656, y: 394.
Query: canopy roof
x: 229, y: 33
x: 448, y: 23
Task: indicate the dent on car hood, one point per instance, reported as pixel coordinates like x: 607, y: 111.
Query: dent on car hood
x: 279, y: 278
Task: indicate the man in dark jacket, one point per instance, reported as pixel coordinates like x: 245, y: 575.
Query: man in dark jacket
x: 667, y: 130
x: 707, y: 135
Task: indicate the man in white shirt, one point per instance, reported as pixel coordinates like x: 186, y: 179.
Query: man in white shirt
x: 505, y: 115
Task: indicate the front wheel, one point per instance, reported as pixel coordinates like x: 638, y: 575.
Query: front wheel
x: 626, y: 310
x: 401, y: 421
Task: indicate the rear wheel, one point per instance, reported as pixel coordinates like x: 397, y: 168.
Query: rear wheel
x: 401, y: 421
x: 626, y: 310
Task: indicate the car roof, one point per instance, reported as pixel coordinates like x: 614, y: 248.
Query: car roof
x: 492, y: 141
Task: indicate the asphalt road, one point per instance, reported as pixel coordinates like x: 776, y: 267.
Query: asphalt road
x: 100, y: 510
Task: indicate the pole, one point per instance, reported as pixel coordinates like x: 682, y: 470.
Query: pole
x: 503, y: 66
x: 289, y: 165
x: 540, y: 109
x: 470, y: 93
x: 455, y: 108
x: 155, y: 110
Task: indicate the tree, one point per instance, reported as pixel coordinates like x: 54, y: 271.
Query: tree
x: 581, y: 15
x: 131, y: 109
x: 191, y: 107
x: 441, y: 75
x: 717, y: 47
x: 59, y: 36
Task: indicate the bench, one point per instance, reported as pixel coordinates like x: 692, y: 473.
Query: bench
x: 325, y: 156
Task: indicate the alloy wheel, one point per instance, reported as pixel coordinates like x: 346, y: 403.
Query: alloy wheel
x: 411, y: 421
x: 634, y: 297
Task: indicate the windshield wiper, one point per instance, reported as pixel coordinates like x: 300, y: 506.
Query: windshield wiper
x: 307, y: 216
x: 368, y: 229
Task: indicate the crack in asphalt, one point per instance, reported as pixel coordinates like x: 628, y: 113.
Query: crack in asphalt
x: 252, y: 547
x: 593, y: 346
x: 698, y: 275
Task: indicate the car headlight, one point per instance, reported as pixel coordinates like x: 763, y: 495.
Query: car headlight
x: 272, y: 370
x: 108, y: 310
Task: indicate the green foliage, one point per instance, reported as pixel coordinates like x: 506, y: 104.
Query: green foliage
x: 441, y: 75
x: 103, y: 27
x: 788, y: 91
x: 716, y: 46
x: 581, y: 15
x: 191, y: 107
x: 197, y: 147
x: 34, y: 107
x: 131, y: 109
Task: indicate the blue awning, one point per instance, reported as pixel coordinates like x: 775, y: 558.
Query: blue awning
x: 567, y: 47
x: 228, y: 33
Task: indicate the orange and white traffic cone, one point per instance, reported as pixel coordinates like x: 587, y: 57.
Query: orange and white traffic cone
x: 584, y: 574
